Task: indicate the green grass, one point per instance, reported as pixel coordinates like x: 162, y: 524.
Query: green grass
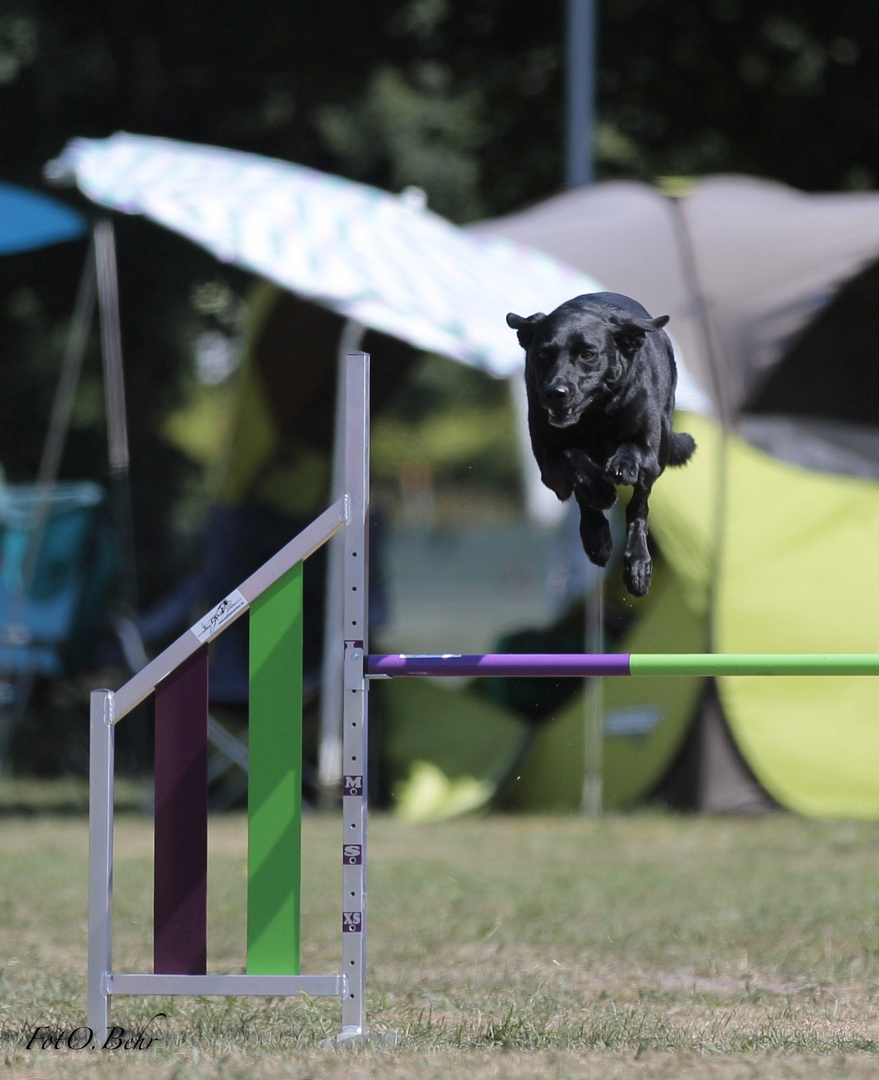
x: 644, y: 946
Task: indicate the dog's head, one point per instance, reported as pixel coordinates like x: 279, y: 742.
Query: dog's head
x: 581, y: 352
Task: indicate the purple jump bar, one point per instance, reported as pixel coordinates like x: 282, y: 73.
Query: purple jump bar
x: 550, y: 665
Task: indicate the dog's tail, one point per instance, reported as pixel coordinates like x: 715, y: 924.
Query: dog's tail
x: 682, y: 448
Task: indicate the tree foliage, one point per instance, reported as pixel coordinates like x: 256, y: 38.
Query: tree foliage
x: 464, y: 97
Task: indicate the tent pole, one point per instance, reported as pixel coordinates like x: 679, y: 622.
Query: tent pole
x: 65, y: 392
x: 111, y: 342
x: 59, y: 425
x: 713, y: 353
x: 117, y: 436
x: 15, y: 630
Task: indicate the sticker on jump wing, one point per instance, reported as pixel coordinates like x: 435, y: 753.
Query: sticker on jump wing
x: 215, y: 619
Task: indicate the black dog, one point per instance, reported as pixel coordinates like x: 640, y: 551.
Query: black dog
x: 600, y: 375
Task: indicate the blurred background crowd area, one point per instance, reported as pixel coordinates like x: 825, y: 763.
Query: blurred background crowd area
x: 465, y: 101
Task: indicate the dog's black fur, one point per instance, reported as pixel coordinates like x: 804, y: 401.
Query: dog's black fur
x: 600, y: 375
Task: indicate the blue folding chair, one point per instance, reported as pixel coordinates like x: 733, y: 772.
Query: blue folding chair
x: 58, y: 562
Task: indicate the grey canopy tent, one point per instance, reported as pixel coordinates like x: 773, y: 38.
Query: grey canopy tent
x: 770, y: 535
x: 742, y: 265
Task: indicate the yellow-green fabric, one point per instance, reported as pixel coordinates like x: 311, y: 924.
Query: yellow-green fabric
x: 260, y: 463
x: 645, y: 719
x: 797, y: 572
x: 445, y: 750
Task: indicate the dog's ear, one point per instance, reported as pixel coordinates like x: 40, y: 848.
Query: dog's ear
x: 524, y: 327
x: 629, y: 331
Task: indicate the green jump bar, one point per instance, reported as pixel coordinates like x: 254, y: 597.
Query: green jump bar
x: 754, y: 664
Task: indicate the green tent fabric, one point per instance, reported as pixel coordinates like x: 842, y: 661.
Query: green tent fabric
x: 645, y: 720
x: 782, y: 557
x: 772, y: 295
x: 445, y: 750
x: 796, y: 572
x: 772, y: 299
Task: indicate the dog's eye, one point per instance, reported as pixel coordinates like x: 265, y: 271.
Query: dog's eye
x: 587, y: 354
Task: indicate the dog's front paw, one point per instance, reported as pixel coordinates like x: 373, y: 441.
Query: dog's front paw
x: 636, y: 575
x: 596, y: 537
x: 591, y: 486
x: 624, y: 467
x: 597, y: 492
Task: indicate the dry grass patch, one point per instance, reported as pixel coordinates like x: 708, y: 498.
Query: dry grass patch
x: 644, y: 946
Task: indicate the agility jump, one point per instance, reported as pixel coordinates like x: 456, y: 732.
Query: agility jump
x: 177, y: 679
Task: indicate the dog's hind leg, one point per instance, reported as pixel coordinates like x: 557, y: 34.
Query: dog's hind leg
x: 637, y: 564
x: 594, y: 533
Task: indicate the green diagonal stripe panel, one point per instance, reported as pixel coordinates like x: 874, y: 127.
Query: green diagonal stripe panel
x: 275, y: 780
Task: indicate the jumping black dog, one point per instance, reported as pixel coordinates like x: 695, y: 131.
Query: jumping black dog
x: 600, y: 376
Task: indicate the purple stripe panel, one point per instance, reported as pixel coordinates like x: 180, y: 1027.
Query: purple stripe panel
x: 181, y: 819
x: 550, y: 665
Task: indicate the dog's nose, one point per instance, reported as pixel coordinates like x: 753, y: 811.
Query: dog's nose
x: 557, y: 393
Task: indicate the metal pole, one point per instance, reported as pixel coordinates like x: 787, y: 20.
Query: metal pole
x: 15, y: 630
x: 111, y: 340
x: 59, y: 426
x: 580, y: 171
x: 100, y: 947
x: 117, y: 422
x: 330, y: 748
x: 593, y: 774
x: 580, y: 87
x: 355, y: 706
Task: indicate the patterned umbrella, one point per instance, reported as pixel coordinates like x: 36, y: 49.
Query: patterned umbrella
x: 382, y: 260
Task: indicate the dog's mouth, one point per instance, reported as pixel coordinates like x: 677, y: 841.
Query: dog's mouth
x: 562, y: 417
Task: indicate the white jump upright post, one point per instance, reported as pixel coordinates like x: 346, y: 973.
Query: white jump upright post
x: 355, y: 711
x: 100, y: 930
x: 355, y: 706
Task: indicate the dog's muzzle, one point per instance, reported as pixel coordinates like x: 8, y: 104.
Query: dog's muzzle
x: 557, y: 400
